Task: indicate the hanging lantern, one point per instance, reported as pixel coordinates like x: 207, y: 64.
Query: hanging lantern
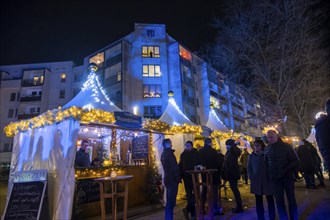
x: 170, y: 93
x: 92, y: 67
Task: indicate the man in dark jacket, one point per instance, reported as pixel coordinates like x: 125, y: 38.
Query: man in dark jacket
x: 82, y: 157
x: 306, y: 164
x: 211, y: 160
x: 232, y: 172
x: 281, y: 160
x: 171, y: 177
x: 189, y: 158
x: 322, y: 129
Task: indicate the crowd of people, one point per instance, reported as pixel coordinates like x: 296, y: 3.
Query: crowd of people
x: 270, y: 169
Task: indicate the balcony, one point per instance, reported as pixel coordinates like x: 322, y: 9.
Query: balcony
x: 31, y: 82
x: 27, y: 116
x: 30, y: 98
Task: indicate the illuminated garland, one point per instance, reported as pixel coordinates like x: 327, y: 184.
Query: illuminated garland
x: 160, y: 126
x: 56, y: 116
x: 97, y: 172
x: 226, y: 135
x: 155, y: 125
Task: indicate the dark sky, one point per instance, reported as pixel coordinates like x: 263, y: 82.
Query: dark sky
x: 50, y: 31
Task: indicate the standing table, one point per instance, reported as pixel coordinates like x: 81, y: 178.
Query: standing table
x: 197, y: 176
x: 113, y: 194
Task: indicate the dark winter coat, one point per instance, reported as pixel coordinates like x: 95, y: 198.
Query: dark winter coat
x: 257, y: 171
x: 322, y: 128
x: 231, y: 169
x: 82, y: 159
x: 306, y: 163
x: 188, y: 161
x: 244, y: 158
x: 170, y: 167
x: 281, y: 161
x: 211, y: 160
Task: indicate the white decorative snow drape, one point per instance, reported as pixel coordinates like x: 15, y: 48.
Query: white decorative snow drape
x: 52, y: 148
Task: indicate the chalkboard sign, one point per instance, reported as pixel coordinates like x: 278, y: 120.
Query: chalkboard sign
x: 88, y: 191
x: 26, y: 198
x: 140, y: 147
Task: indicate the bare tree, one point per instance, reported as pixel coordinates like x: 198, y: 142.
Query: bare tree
x: 275, y: 49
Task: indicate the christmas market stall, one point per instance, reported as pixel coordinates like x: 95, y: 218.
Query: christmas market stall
x: 49, y: 142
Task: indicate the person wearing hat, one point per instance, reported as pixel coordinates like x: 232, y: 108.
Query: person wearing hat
x: 260, y: 184
x: 232, y: 172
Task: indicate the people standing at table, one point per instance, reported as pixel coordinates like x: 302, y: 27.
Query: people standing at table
x: 189, y: 158
x: 260, y: 184
x: 171, y: 177
x: 211, y: 160
x: 281, y: 161
x: 232, y: 172
x: 82, y: 157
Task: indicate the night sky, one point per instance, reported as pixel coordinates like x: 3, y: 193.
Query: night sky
x: 51, y: 31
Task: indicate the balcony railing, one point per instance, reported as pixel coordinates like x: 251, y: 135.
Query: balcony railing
x: 27, y: 116
x: 30, y: 98
x: 31, y: 82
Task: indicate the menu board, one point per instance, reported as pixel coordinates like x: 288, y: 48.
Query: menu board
x: 88, y: 191
x: 27, y: 197
x: 140, y: 147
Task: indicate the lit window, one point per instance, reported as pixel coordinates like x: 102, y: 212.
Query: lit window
x: 152, y: 91
x: 215, y: 102
x: 35, y: 80
x: 150, y: 51
x: 118, y: 76
x: 98, y: 58
x: 185, y: 54
x: 151, y: 71
x: 63, y: 77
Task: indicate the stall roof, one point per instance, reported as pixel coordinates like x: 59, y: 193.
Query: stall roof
x: 92, y: 96
x: 214, y: 123
x: 173, y: 115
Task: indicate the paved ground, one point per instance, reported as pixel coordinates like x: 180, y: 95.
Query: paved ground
x: 313, y: 204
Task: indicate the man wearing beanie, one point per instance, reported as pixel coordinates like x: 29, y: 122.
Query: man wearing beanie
x: 232, y: 172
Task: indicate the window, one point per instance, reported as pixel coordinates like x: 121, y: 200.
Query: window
x: 16, y: 112
x: 34, y: 93
x: 62, y: 94
x: 152, y: 111
x: 63, y: 77
x: 118, y: 76
x: 185, y: 54
x: 113, y: 71
x: 12, y: 97
x: 32, y: 110
x: 113, y: 51
x: 7, y: 147
x: 18, y: 94
x: 10, y: 113
x: 215, y: 102
x: 152, y: 91
x: 150, y: 51
x: 98, y: 58
x: 151, y: 71
x: 35, y: 80
x: 150, y: 33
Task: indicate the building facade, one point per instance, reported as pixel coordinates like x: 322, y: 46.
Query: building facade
x: 136, y: 72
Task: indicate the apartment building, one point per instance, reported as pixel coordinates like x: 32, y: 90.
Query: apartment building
x: 137, y: 71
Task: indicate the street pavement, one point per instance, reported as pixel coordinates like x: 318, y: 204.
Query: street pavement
x: 313, y: 204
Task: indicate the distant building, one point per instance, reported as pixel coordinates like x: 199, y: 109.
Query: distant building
x: 136, y: 72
